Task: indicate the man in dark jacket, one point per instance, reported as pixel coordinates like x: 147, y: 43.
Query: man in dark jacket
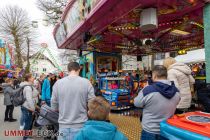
x: 16, y: 82
x: 159, y: 101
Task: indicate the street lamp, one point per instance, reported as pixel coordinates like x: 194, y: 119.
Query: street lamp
x: 34, y: 24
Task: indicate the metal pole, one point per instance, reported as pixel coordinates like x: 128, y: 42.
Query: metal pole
x: 206, y: 16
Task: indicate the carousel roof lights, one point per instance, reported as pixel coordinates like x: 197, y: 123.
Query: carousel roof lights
x: 179, y: 32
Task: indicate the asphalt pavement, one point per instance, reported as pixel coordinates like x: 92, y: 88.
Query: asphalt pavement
x: 4, y: 126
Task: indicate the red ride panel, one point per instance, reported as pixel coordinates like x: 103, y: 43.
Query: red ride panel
x: 197, y: 122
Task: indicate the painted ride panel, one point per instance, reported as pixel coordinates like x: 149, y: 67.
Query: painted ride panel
x: 192, y: 125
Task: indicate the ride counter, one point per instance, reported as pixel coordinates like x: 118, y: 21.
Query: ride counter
x: 188, y: 126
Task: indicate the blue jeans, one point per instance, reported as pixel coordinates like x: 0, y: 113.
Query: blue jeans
x: 68, y: 133
x: 21, y: 118
x: 150, y: 136
x: 48, y: 102
x: 26, y: 119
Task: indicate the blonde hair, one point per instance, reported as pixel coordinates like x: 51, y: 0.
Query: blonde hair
x: 168, y: 62
x: 8, y: 80
x: 28, y: 76
x: 99, y: 109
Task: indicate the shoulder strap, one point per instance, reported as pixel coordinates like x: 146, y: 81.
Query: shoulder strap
x: 28, y: 86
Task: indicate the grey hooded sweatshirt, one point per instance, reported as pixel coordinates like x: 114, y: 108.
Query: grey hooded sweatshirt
x: 159, y: 102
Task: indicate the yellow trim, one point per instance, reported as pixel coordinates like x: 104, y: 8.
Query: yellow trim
x: 200, y: 78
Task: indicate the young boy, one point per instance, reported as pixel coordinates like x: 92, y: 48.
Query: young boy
x: 97, y: 128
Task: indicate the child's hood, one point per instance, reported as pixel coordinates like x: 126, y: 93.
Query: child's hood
x: 99, y: 130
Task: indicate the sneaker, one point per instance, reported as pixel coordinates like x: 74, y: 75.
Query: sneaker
x: 12, y: 120
x: 21, y: 127
x: 29, y: 138
x: 36, y: 124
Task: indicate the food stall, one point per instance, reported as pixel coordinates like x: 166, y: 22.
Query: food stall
x: 6, y: 58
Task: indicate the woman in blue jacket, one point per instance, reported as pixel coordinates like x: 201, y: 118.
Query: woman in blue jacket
x: 46, y: 91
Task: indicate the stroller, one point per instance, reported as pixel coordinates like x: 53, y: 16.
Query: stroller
x: 48, y: 120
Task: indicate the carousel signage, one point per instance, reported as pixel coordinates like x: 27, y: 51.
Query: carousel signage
x: 60, y: 34
x: 76, y: 15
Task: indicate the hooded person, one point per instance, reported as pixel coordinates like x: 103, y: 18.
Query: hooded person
x: 159, y: 101
x: 47, y: 90
x: 181, y: 75
x: 8, y: 92
x: 97, y: 128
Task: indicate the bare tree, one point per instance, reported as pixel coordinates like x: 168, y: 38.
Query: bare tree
x: 68, y: 55
x: 53, y: 9
x: 29, y: 40
x: 14, y: 23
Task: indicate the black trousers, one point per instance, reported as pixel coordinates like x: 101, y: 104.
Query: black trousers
x: 9, y: 112
x: 181, y: 111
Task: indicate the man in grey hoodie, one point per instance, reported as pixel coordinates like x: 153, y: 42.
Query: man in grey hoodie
x: 70, y: 97
x: 159, y: 101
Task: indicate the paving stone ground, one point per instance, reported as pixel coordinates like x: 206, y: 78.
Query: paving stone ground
x: 129, y: 125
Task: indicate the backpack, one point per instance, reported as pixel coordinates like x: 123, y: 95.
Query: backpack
x: 18, y: 98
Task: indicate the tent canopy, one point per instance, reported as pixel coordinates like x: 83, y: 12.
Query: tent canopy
x: 192, y: 56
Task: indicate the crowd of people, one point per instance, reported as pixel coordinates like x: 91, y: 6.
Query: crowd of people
x: 84, y: 116
x: 35, y: 91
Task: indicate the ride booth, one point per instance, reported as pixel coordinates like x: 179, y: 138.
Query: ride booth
x: 103, y: 70
x: 94, y: 63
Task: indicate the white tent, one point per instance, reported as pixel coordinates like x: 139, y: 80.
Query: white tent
x: 194, y: 56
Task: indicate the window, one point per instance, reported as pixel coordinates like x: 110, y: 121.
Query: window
x: 159, y: 56
x: 173, y: 54
x: 44, y: 69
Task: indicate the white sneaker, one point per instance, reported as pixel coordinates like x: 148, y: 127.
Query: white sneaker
x: 21, y: 127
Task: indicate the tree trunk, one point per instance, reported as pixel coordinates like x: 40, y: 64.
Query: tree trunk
x: 27, y: 69
x: 19, y: 61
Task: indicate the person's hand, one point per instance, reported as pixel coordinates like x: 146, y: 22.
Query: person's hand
x: 43, y: 102
x: 37, y: 107
x: 31, y: 110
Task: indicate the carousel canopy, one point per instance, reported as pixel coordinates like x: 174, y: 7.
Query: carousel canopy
x: 117, y: 26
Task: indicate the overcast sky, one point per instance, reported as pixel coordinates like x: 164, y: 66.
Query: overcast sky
x: 44, y: 33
